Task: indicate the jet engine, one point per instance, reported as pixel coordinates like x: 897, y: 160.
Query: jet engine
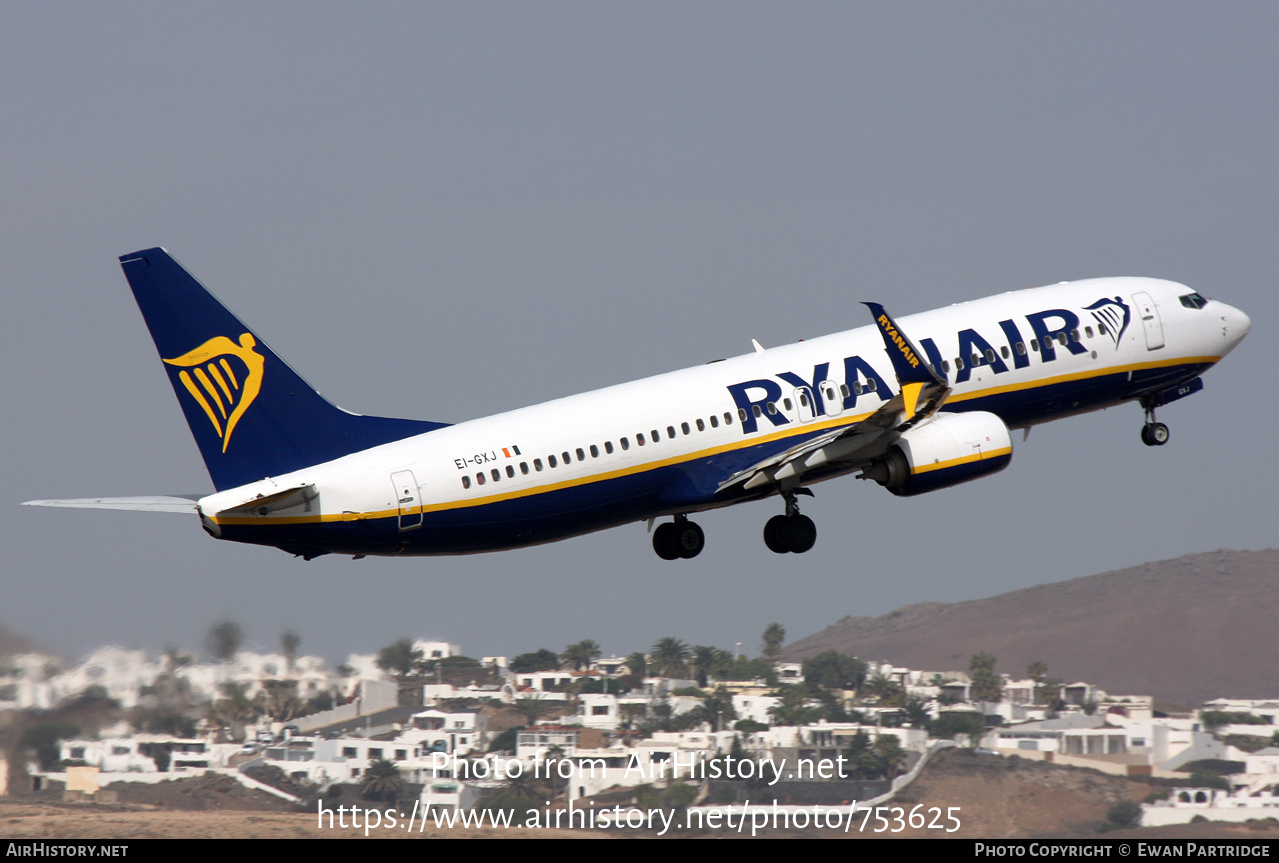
x: 950, y: 449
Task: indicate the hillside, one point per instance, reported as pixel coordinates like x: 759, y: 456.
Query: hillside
x: 11, y: 644
x: 1185, y: 630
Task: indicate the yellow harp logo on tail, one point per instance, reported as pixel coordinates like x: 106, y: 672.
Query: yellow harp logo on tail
x: 217, y: 385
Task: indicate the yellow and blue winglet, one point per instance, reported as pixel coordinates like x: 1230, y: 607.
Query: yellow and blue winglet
x: 909, y: 364
x: 914, y: 374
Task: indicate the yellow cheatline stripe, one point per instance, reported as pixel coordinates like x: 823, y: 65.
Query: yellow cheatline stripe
x: 208, y: 386
x: 217, y: 376
x: 195, y: 394
x: 226, y: 367
x: 798, y: 429
x: 955, y: 462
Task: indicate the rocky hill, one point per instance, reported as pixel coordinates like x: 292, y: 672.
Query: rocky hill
x: 1187, y: 630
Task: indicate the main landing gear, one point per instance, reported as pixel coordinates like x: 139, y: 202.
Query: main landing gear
x: 791, y: 532
x: 1153, y: 433
x: 679, y: 538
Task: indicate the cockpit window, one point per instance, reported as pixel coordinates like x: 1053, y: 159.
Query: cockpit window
x: 1193, y: 301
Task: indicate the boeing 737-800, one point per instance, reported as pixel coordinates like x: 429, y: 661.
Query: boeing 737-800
x: 914, y: 405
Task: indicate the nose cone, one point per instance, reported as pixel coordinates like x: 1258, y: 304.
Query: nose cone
x: 1234, y: 324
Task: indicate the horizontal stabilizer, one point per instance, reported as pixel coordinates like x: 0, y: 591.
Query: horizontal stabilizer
x: 148, y: 503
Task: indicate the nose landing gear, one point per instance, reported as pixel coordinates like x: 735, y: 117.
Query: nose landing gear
x: 1153, y: 433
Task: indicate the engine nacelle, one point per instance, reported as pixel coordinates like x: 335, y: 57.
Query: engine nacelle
x: 951, y: 449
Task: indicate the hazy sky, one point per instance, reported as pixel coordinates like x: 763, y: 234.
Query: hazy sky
x: 442, y: 211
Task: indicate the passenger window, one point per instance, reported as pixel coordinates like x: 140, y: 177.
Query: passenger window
x: 510, y: 470
x: 741, y: 413
x: 1021, y: 349
x: 608, y: 447
x: 550, y: 459
x: 803, y: 399
x: 466, y: 482
x: 639, y: 438
x: 870, y: 385
x: 1101, y: 328
x: 537, y: 464
x: 566, y: 458
x: 1061, y: 339
x: 1088, y: 332
x: 1003, y: 352
x: 524, y: 468
x: 654, y: 436
x: 788, y: 404
x: 714, y: 421
x: 945, y: 367
x: 756, y: 410
x: 857, y: 388
x: 728, y: 418
x: 670, y: 432
x: 990, y: 355
x: 496, y: 474
x: 1034, y: 345
x: 959, y: 364
x: 595, y: 451
x: 581, y: 454
x: 684, y: 428
x: 843, y: 388
x: 701, y: 426
x: 479, y: 478
x: 626, y: 444
x: 772, y: 408
x: 1074, y: 335
x: 976, y: 358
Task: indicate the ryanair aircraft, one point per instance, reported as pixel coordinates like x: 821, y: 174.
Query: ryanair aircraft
x: 915, y: 405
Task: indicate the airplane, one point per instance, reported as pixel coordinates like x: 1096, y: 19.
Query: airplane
x: 914, y: 405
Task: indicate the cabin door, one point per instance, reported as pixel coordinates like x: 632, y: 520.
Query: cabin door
x: 410, y: 499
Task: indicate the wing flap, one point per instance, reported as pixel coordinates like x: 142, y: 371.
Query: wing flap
x: 921, y: 393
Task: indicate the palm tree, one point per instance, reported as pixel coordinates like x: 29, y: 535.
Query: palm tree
x: 703, y: 663
x: 224, y: 640
x: 1037, y: 671
x: 399, y: 658
x: 882, y: 687
x: 382, y: 781
x: 774, y: 638
x: 637, y: 662
x: 532, y: 708
x: 669, y: 657
x: 580, y: 656
x: 289, y: 643
x: 716, y: 709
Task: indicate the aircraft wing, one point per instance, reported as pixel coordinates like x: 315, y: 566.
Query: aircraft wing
x: 921, y: 393
x: 149, y: 503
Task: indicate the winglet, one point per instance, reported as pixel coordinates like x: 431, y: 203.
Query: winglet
x: 908, y: 363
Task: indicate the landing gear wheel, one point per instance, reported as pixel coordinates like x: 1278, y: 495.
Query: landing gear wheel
x: 801, y: 533
x: 689, y: 539
x: 773, y: 531
x: 666, y: 542
x: 790, y: 533
x: 1154, y: 434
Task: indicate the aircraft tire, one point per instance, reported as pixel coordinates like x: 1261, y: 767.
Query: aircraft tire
x: 665, y: 541
x: 800, y: 533
x: 1159, y: 434
x: 690, y: 540
x: 773, y: 535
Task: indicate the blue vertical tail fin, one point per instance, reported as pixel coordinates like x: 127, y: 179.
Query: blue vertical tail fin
x: 252, y: 416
